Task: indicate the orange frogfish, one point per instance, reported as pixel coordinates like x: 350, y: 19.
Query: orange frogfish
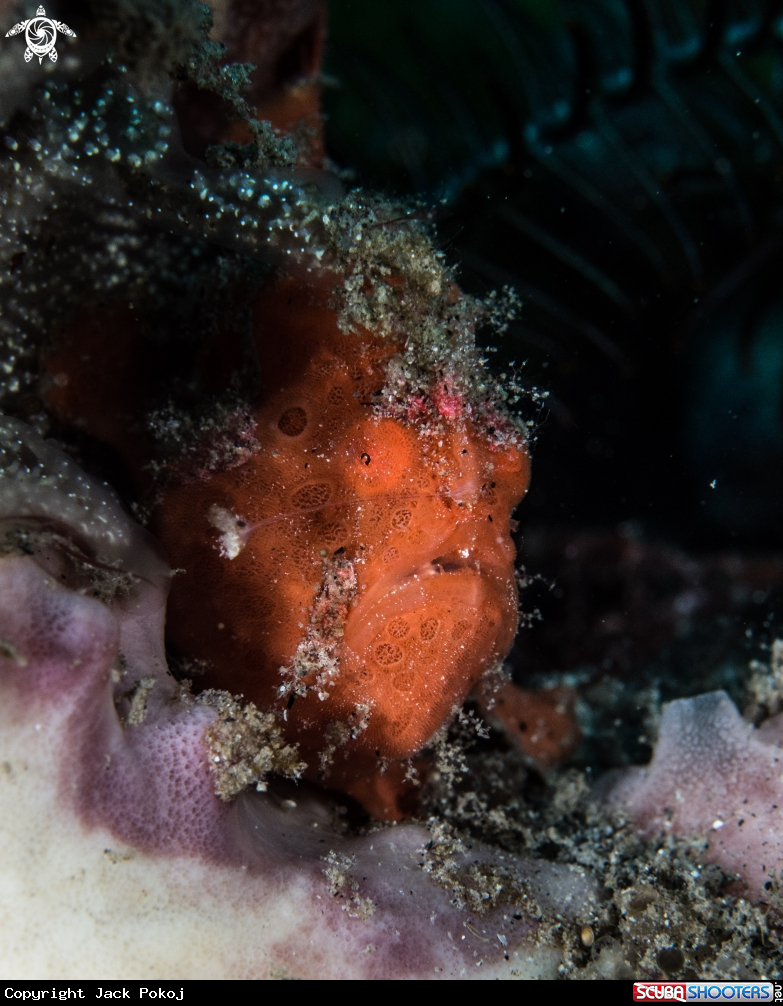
x: 357, y: 571
x: 354, y: 571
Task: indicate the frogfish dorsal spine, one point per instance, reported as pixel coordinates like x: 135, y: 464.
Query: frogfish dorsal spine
x: 356, y: 571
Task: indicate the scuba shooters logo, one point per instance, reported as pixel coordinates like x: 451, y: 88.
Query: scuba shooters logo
x: 760, y: 991
x: 40, y: 33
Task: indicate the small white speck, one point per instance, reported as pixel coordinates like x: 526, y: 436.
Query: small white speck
x: 717, y: 823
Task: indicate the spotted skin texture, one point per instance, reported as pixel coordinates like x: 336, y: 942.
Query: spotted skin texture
x: 375, y: 547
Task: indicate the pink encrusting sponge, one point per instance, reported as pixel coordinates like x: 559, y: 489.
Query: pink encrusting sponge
x: 714, y: 775
x: 127, y: 857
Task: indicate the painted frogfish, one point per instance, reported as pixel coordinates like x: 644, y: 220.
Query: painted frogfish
x: 348, y: 564
x: 354, y: 572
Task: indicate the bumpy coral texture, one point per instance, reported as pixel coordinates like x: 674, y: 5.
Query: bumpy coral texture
x: 357, y: 570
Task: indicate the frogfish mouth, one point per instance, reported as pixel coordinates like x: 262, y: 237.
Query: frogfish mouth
x: 353, y: 572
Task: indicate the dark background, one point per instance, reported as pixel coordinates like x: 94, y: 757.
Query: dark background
x: 619, y: 162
